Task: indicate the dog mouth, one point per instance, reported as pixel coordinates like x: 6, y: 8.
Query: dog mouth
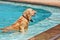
x: 34, y: 14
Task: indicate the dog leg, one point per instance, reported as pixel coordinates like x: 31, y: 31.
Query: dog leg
x: 26, y: 28
x: 22, y: 30
x: 4, y: 31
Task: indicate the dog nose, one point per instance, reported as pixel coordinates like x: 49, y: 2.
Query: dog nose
x: 35, y: 12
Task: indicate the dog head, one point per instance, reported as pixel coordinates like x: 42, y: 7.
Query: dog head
x: 30, y: 11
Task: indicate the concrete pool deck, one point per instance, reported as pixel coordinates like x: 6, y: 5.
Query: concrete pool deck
x: 45, y: 2
x: 49, y: 34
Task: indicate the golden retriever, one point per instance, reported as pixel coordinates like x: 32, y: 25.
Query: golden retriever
x: 22, y: 23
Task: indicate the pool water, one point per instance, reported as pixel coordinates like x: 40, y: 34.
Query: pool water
x: 10, y: 12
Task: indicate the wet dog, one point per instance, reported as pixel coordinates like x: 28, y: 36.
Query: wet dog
x: 22, y: 23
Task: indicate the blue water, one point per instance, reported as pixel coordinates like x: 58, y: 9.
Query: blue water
x: 9, y: 13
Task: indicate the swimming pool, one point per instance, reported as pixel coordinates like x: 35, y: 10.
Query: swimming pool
x: 10, y: 12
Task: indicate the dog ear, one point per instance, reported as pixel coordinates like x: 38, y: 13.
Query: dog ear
x: 31, y: 20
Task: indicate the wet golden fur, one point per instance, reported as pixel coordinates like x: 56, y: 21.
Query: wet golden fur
x: 22, y: 23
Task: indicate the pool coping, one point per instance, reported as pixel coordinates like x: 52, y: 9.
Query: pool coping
x: 50, y: 34
x: 29, y: 3
x: 34, y: 3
